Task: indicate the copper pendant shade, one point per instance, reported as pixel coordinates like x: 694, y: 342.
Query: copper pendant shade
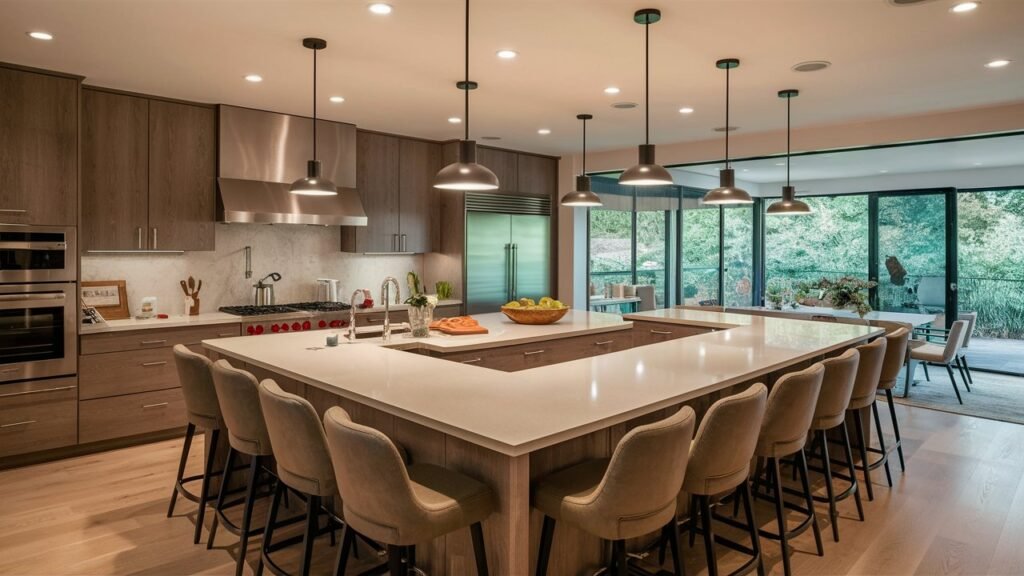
x: 647, y: 172
x: 582, y: 196
x: 465, y: 174
x: 727, y: 191
x: 314, y: 184
x: 788, y: 205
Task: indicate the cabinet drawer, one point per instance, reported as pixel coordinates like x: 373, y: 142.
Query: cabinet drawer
x: 116, y: 373
x: 155, y: 338
x: 377, y: 318
x: 37, y: 416
x: 447, y: 311
x: 132, y: 414
x: 533, y: 355
x: 645, y: 333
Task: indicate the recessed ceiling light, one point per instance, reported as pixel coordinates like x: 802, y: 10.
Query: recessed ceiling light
x: 337, y: 99
x: 961, y: 7
x: 507, y: 54
x: 544, y: 131
x: 39, y: 35
x: 811, y: 66
x: 455, y: 120
x: 726, y: 128
x: 490, y: 137
x: 997, y: 63
x: 254, y: 78
x: 686, y: 110
x: 380, y: 8
x: 612, y: 90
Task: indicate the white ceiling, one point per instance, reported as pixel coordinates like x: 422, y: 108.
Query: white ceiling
x: 397, y: 72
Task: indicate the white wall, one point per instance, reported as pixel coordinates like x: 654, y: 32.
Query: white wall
x: 299, y: 253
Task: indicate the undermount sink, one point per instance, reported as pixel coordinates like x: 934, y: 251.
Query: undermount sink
x: 371, y: 332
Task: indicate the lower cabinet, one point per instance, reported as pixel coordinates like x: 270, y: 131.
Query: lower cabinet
x: 131, y: 414
x: 646, y: 333
x: 533, y: 355
x: 377, y: 318
x: 38, y: 415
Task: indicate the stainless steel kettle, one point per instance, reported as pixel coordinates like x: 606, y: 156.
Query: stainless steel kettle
x: 264, y: 291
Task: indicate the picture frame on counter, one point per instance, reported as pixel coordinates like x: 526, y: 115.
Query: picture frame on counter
x: 108, y: 297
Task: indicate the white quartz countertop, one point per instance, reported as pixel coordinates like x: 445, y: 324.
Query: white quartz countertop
x: 504, y: 332
x: 380, y: 306
x: 515, y: 413
x: 203, y: 319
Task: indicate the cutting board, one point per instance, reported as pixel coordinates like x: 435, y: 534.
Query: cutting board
x: 458, y: 326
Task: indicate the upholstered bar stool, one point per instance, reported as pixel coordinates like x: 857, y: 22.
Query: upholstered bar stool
x: 303, y: 465
x: 945, y: 354
x: 787, y: 419
x: 239, y: 396
x: 830, y: 414
x: 627, y: 496
x: 719, y: 464
x: 400, y: 504
x: 865, y: 390
x: 203, y: 412
x: 892, y: 364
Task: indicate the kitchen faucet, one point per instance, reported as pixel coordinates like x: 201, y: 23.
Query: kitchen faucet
x: 384, y: 293
x: 352, y: 315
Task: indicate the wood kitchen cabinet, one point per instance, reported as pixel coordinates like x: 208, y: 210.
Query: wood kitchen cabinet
x: 39, y: 147
x: 504, y: 164
x: 645, y: 333
x: 537, y: 175
x: 148, y: 173
x: 395, y: 182
x: 544, y: 353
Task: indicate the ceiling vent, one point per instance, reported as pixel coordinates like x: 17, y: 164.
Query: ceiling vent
x: 624, y: 105
x: 726, y: 128
x: 811, y: 66
x: 908, y: 2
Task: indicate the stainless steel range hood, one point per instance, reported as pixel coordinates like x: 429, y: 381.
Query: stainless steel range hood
x: 262, y: 153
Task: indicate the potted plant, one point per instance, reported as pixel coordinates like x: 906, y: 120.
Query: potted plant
x: 421, y: 308
x: 848, y: 293
x: 775, y: 295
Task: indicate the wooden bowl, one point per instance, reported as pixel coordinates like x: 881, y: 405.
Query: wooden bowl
x: 534, y: 317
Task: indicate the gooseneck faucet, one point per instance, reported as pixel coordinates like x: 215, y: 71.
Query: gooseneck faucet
x: 352, y: 315
x: 384, y: 293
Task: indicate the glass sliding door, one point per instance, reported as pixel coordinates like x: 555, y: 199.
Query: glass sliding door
x: 912, y: 249
x: 738, y: 255
x: 700, y: 260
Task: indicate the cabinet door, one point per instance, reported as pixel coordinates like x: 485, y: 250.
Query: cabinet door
x: 419, y: 163
x: 182, y: 176
x: 377, y: 168
x: 38, y: 148
x: 538, y: 176
x: 115, y: 176
x: 503, y: 164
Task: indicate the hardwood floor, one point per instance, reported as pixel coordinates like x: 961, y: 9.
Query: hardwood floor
x: 958, y: 510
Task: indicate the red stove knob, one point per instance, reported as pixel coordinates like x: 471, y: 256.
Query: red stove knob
x: 296, y: 326
x: 259, y: 330
x: 251, y: 330
x: 335, y: 323
x: 307, y: 325
x: 275, y: 328
x: 344, y: 323
x: 322, y: 323
x: 284, y: 327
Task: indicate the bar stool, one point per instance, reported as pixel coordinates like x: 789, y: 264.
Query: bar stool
x: 787, y: 419
x: 203, y: 412
x: 892, y: 364
x: 398, y: 504
x: 303, y: 465
x: 627, y: 496
x: 720, y: 458
x: 830, y: 414
x: 865, y: 389
x: 238, y: 393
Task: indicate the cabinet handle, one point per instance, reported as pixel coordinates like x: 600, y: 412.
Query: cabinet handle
x: 533, y: 353
x: 27, y: 392
x: 226, y: 334
x: 154, y: 239
x: 372, y: 320
x: 151, y: 342
x: 145, y: 406
x: 604, y: 343
x: 148, y: 364
x: 9, y: 370
x: 472, y: 361
x: 661, y: 332
x: 13, y: 211
x: 13, y: 424
x: 139, y: 231
x: 403, y: 243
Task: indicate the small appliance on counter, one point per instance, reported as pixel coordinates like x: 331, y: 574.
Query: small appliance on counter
x: 328, y: 290
x: 264, y: 291
x: 148, y: 309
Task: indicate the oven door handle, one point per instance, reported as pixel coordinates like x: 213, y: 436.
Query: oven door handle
x: 41, y: 246
x: 31, y: 300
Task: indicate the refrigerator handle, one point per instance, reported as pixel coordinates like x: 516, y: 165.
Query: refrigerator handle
x: 515, y: 271
x: 508, y: 272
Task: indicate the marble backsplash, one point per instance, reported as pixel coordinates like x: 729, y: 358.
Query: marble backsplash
x: 301, y: 254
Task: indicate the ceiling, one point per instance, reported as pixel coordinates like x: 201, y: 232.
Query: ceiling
x: 912, y: 159
x: 397, y: 72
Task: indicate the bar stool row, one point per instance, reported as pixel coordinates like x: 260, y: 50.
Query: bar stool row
x: 393, y: 504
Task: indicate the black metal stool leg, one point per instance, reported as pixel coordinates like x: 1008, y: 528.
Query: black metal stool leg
x: 250, y: 501
x: 709, y: 534
x: 693, y: 519
x: 896, y: 429
x: 347, y: 541
x: 547, y: 534
x: 748, y: 508
x: 862, y: 447
x: 479, y: 551
x: 927, y: 376
x: 621, y: 564
x: 395, y: 560
x: 833, y: 514
x: 672, y: 531
x: 848, y: 449
x: 219, y: 505
x: 881, y: 442
x: 204, y: 496
x: 268, y: 531
x: 312, y: 525
x: 809, y: 499
x: 190, y: 432
x: 952, y: 379
x: 967, y: 368
x: 780, y: 513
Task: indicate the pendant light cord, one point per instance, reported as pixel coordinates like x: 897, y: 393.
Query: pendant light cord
x: 314, y: 104
x: 466, y: 85
x: 727, y: 118
x: 584, y: 147
x: 647, y: 81
x: 789, y: 132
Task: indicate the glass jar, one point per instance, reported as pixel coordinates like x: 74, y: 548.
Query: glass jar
x: 420, y: 318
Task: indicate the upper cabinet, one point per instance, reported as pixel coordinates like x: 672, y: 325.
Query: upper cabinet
x: 148, y: 173
x: 38, y: 149
x: 394, y: 178
x: 521, y: 174
x: 504, y: 164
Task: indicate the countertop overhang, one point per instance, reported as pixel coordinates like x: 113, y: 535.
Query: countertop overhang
x: 515, y: 413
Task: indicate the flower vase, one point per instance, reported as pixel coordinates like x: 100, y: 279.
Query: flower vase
x: 420, y: 318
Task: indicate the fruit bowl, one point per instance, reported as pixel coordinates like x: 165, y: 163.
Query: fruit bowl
x: 534, y: 316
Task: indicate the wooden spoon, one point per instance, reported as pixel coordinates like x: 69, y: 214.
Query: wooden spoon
x: 199, y: 286
x: 184, y: 288
x: 191, y: 284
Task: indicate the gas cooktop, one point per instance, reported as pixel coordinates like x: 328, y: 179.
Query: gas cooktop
x: 285, y: 308
x: 319, y: 306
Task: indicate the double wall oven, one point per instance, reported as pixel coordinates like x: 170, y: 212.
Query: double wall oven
x: 38, y: 302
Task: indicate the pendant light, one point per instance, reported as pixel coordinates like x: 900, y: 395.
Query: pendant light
x: 647, y: 172
x: 313, y: 184
x: 465, y: 173
x: 583, y: 195
x: 789, y: 205
x: 727, y: 192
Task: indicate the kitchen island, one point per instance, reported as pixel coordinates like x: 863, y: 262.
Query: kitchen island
x: 509, y: 428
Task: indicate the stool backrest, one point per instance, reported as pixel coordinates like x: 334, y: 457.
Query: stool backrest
x: 297, y: 436
x: 836, y: 389
x: 789, y: 411
x: 869, y: 372
x: 239, y: 395
x: 895, y: 357
x: 955, y: 340
x: 725, y: 441
x: 201, y: 403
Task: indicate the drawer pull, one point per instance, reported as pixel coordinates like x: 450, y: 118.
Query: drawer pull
x: 144, y: 406
x: 148, y: 364
x: 371, y: 320
x: 26, y: 392
x: 151, y: 342
x: 662, y: 332
x: 533, y: 353
x: 13, y: 211
x: 226, y: 335
x: 472, y: 361
x: 13, y: 424
x: 9, y: 370
x: 604, y: 343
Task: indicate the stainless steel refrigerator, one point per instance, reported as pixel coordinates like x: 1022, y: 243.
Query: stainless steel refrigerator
x: 508, y: 256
